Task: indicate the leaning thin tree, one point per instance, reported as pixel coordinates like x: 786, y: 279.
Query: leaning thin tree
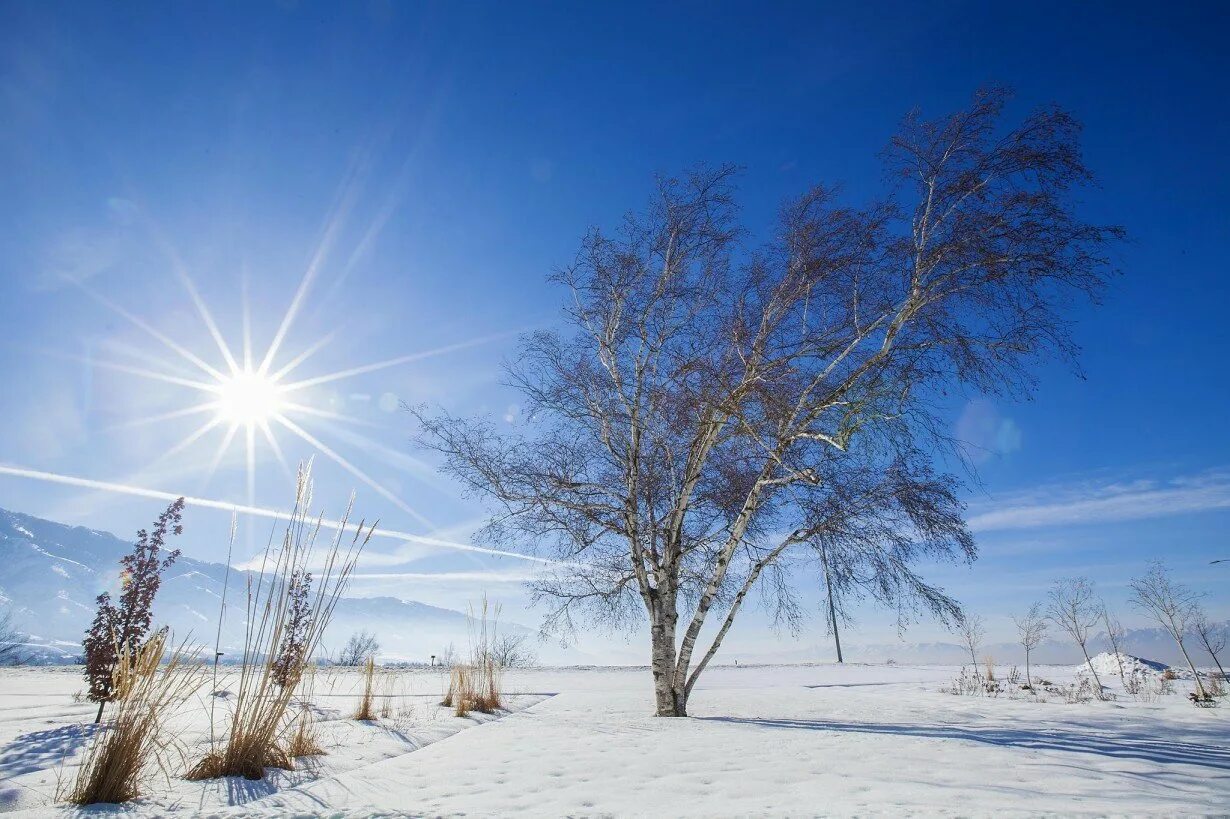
x: 708, y: 392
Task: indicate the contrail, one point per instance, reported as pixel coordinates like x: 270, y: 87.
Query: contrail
x: 256, y: 511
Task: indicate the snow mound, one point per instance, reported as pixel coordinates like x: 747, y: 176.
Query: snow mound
x: 1107, y: 664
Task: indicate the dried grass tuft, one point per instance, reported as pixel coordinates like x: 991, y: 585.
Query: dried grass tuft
x: 475, y: 686
x: 460, y: 696
x: 120, y: 758
x: 303, y: 739
x: 365, y: 711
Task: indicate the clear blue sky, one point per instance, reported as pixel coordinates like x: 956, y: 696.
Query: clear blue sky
x: 453, y: 154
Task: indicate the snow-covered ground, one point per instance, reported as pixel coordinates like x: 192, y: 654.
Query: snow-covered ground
x: 775, y: 740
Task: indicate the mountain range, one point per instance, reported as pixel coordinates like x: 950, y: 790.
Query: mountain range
x: 51, y: 574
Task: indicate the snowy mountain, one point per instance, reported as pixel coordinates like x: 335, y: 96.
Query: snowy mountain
x: 52, y: 574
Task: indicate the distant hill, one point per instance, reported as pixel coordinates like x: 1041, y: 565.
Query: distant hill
x: 52, y: 574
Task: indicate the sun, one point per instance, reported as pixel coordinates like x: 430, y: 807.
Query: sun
x: 250, y: 398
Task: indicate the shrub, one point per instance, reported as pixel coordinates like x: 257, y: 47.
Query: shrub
x: 121, y: 627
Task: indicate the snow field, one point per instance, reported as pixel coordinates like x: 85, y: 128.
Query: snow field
x: 763, y: 741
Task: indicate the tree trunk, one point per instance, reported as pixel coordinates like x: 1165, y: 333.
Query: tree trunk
x: 669, y: 695
x: 1192, y: 666
x: 828, y: 584
x: 1029, y: 682
x: 98, y: 716
x: 1093, y: 671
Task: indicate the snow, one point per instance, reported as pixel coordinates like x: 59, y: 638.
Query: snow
x: 1107, y: 665
x: 762, y: 740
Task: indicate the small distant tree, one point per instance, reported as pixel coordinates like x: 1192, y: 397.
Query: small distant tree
x: 1173, y: 605
x: 513, y: 651
x: 292, y: 651
x: 1212, y: 637
x: 361, y: 647
x: 448, y: 657
x: 1075, y: 609
x: 1114, y: 635
x: 122, y: 627
x: 1031, y: 629
x: 11, y: 641
x: 972, y: 635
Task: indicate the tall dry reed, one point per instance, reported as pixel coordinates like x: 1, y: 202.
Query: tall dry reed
x: 261, y: 730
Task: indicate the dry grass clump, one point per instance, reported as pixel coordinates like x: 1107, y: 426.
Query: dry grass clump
x: 303, y: 739
x: 461, y: 694
x: 122, y: 753
x: 386, y: 702
x: 365, y: 712
x: 262, y: 731
x: 475, y: 686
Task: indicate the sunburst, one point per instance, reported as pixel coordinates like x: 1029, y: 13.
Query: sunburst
x: 253, y: 403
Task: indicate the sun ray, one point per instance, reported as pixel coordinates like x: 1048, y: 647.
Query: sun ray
x: 251, y: 445
x: 332, y: 416
x: 207, y: 317
x: 219, y: 454
x: 185, y: 442
x: 181, y: 272
x: 275, y: 446
x: 246, y: 309
x: 419, y: 469
x: 165, y: 416
x: 337, y: 216
x: 131, y: 370
x: 187, y: 354
x: 312, y: 349
x: 393, y: 362
x: 352, y: 469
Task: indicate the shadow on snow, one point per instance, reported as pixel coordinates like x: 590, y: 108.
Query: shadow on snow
x: 1119, y: 746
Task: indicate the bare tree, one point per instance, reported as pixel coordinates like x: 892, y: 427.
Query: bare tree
x: 972, y: 635
x: 1075, y: 609
x: 12, y: 641
x: 358, y: 649
x: 1114, y: 634
x: 710, y: 396
x: 1211, y: 636
x: 1031, y: 629
x: 1173, y: 605
x: 513, y: 651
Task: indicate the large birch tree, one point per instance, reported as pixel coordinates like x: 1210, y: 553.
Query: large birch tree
x: 715, y: 408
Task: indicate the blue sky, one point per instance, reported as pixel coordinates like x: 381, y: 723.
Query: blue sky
x: 432, y: 163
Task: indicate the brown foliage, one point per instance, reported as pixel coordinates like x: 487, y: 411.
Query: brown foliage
x: 121, y: 627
